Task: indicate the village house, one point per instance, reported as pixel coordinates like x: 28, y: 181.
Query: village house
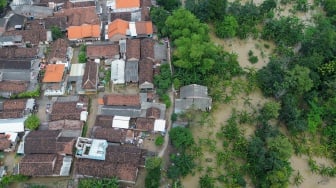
x: 69, y: 128
x: 146, y: 75
x: 47, y: 153
x: 78, y: 16
x: 149, y: 125
x: 83, y: 33
x: 60, y: 53
x: 102, y: 51
x: 120, y: 29
x: 103, y: 129
x: 9, y: 41
x: 123, y: 6
x: 119, y: 161
x: 33, y: 33
x: 76, y: 76
x: 120, y: 105
x: 13, y: 113
x: 193, y: 97
x: 70, y: 108
x: 54, y: 80
x: 90, y: 78
x: 111, y: 135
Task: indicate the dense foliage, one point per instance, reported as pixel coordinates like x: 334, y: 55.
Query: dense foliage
x: 196, y: 60
x: 7, y: 180
x: 56, y: 32
x: 181, y: 138
x: 103, y: 183
x: 300, y: 77
x: 82, y: 54
x: 153, y: 177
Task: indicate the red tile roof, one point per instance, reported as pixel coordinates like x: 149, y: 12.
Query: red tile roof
x: 83, y: 31
x: 145, y: 124
x: 54, y: 73
x: 120, y: 161
x: 144, y: 28
x: 127, y: 4
x: 121, y: 100
x: 13, y: 86
x: 58, y: 49
x: 79, y: 16
x: 102, y: 51
x: 145, y: 71
x: 37, y: 165
x: 153, y: 113
x: 90, y: 77
x: 117, y: 27
x: 147, y: 48
x: 133, y: 48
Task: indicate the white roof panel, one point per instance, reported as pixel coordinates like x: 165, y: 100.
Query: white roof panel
x: 160, y: 125
x: 77, y: 69
x: 132, y: 29
x: 12, y: 125
x: 118, y: 71
x: 121, y: 122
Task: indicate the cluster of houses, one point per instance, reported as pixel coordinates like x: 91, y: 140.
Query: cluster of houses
x: 120, y: 41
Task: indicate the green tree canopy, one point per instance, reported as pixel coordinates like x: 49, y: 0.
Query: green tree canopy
x: 227, y: 28
x: 32, y: 122
x: 330, y: 7
x: 297, y: 80
x: 159, y: 16
x: 183, y: 23
x: 286, y: 31
x: 181, y: 137
x: 153, y: 162
x: 183, y: 164
x: 270, y: 110
x: 169, y: 4
x: 281, y: 146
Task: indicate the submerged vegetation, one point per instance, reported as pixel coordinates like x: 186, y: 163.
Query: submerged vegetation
x: 299, y: 81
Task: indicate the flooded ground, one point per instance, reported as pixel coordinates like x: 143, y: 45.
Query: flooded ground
x: 263, y: 50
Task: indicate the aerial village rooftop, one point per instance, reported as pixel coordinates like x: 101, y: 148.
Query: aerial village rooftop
x: 97, y: 117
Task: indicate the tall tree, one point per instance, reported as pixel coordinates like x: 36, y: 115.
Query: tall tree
x: 183, y: 23
x: 181, y: 138
x: 159, y: 16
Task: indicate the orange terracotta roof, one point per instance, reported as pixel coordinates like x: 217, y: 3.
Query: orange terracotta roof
x: 144, y: 27
x: 54, y: 73
x: 118, y: 26
x: 127, y: 3
x: 84, y: 31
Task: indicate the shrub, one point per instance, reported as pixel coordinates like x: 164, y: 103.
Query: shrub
x: 253, y: 59
x: 32, y: 122
x: 159, y: 140
x: 165, y: 98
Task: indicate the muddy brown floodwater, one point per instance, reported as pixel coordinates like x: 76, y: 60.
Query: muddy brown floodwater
x: 262, y: 49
